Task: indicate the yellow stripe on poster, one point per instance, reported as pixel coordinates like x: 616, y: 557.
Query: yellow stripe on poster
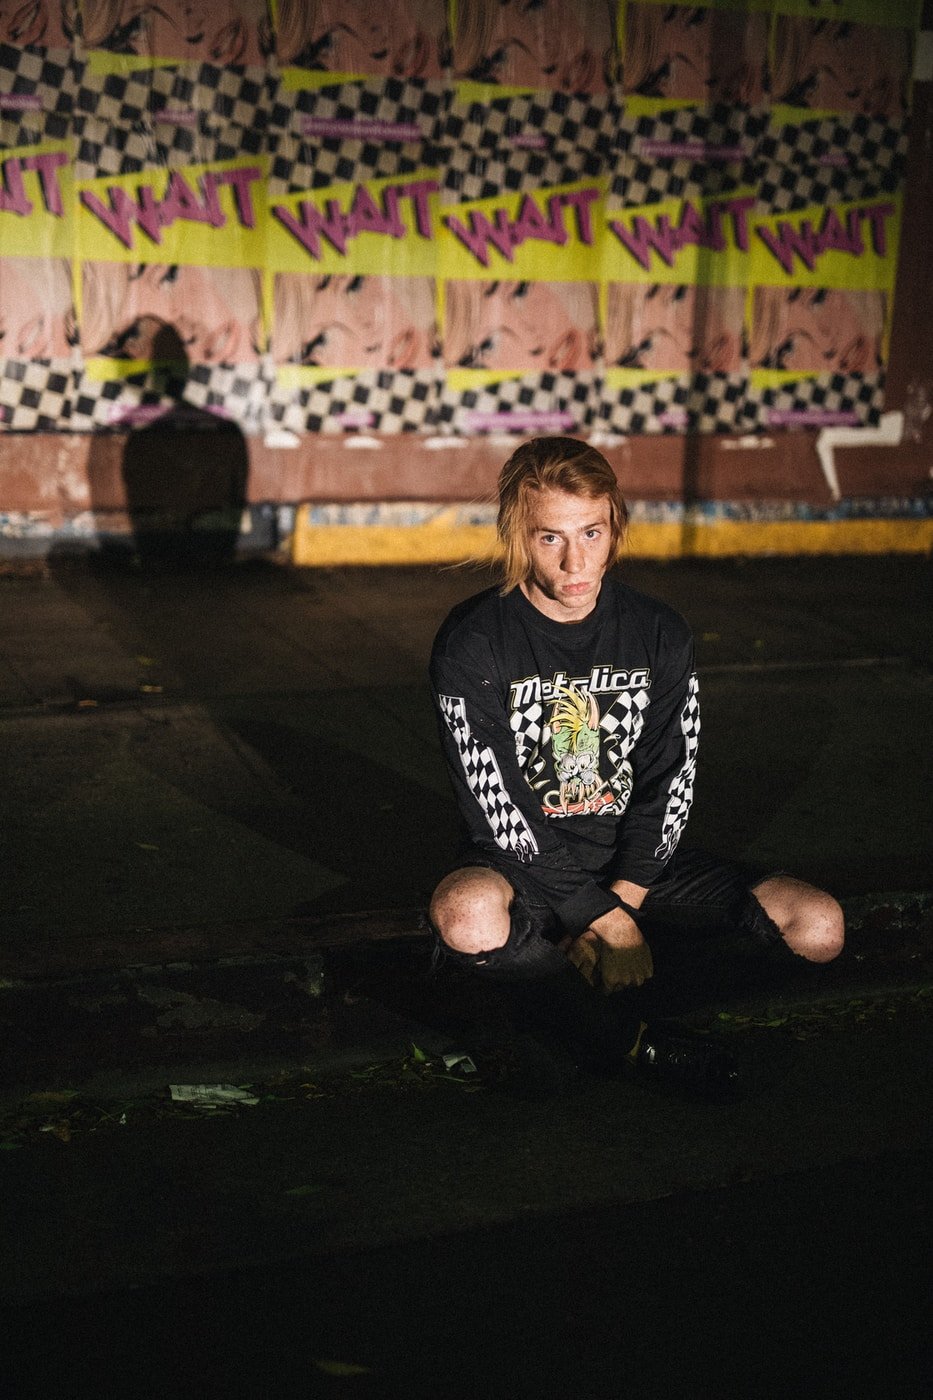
x: 36, y: 201
x: 375, y: 227
x: 541, y: 235
x: 209, y: 215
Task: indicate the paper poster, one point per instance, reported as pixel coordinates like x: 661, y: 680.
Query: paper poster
x: 519, y: 307
x: 848, y: 56
x: 121, y: 34
x: 335, y: 41
x: 698, y: 55
x: 37, y: 319
x: 819, y: 311
x: 558, y: 45
x: 674, y: 289
x: 352, y: 304
x: 353, y: 278
x: 453, y: 216
x: 169, y: 268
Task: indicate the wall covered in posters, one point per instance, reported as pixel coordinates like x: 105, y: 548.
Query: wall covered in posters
x: 414, y: 216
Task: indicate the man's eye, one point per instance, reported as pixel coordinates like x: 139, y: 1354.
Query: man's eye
x: 593, y: 534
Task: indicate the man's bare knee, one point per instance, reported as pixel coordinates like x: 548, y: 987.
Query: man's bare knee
x: 811, y: 922
x: 471, y: 910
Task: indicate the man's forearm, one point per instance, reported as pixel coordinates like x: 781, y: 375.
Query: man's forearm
x: 619, y: 924
x: 629, y: 893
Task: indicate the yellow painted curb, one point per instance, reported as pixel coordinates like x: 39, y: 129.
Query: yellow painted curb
x: 721, y: 538
x: 442, y: 540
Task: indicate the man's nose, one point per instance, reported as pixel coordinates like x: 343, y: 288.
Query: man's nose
x: 573, y: 557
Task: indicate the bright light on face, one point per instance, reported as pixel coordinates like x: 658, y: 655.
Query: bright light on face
x: 569, y: 547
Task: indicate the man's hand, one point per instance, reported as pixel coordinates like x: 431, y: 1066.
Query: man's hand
x: 612, y: 952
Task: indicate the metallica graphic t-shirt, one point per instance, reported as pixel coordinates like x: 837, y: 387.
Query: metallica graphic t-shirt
x: 571, y: 745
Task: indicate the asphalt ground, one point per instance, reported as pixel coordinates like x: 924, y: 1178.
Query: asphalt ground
x: 223, y: 811
x: 400, y: 1234
x: 258, y: 744
x: 224, y: 807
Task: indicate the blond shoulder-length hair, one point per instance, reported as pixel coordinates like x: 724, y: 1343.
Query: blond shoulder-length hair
x: 551, y: 463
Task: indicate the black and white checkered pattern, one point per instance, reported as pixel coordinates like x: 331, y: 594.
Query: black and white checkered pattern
x: 707, y: 403
x: 799, y: 163
x: 238, y: 393
x: 399, y: 401
x: 114, y: 98
x: 148, y: 144
x: 48, y: 74
x: 509, y: 828
x: 621, y: 725
x: 297, y: 164
x: 36, y: 395
x: 572, y: 395
x: 120, y: 129
x: 481, y: 153
x: 836, y: 394
x: 640, y: 176
x: 532, y: 735
x: 224, y: 97
x: 299, y: 161
x: 680, y: 796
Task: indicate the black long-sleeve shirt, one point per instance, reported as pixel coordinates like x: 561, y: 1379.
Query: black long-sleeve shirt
x: 571, y: 746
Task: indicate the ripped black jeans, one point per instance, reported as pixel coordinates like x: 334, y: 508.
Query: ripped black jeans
x: 697, y: 893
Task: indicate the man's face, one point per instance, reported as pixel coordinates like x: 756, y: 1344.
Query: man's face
x: 569, y: 544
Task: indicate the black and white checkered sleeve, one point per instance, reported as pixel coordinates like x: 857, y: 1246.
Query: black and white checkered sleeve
x: 680, y: 794
x: 510, y: 830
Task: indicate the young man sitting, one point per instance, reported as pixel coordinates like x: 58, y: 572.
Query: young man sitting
x: 569, y: 720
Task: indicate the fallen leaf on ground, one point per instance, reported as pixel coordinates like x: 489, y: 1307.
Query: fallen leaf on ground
x: 342, y: 1368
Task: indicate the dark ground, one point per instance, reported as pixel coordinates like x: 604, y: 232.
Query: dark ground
x: 188, y: 761
x: 206, y: 748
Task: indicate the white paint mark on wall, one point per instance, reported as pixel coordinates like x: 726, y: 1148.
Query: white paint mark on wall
x: 889, y: 433
x: 746, y: 442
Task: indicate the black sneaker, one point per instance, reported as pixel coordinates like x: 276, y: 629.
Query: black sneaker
x: 690, y: 1063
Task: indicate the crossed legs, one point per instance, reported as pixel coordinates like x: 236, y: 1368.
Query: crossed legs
x: 471, y: 910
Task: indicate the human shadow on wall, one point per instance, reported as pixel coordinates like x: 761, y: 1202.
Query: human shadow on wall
x: 184, y: 473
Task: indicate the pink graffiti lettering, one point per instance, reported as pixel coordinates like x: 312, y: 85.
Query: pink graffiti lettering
x: 13, y: 196
x: 808, y: 243
x: 505, y: 234
x: 179, y: 202
x: 310, y: 224
x: 667, y: 239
